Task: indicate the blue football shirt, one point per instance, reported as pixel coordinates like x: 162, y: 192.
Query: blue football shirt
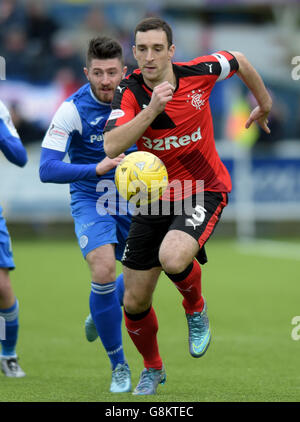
x: 77, y: 130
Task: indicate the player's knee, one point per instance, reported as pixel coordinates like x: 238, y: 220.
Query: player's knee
x: 102, y: 272
x: 103, y: 275
x: 135, y: 304
x: 172, y: 262
x: 102, y: 265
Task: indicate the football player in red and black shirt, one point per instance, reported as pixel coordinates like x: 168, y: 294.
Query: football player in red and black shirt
x: 164, y: 108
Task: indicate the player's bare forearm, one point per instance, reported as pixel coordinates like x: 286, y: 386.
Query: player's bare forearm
x: 108, y: 164
x: 254, y: 82
x: 123, y: 137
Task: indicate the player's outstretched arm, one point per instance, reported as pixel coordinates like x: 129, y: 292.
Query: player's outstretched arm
x: 254, y: 82
x: 121, y: 138
x: 53, y: 170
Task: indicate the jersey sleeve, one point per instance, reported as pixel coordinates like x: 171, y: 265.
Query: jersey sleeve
x: 215, y: 67
x: 10, y: 142
x: 65, y: 123
x: 228, y: 63
x: 54, y: 170
x: 124, y: 108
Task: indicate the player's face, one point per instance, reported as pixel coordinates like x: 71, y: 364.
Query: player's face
x: 104, y: 76
x: 153, y: 55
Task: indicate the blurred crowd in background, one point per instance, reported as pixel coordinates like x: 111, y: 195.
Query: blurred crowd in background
x: 44, y: 45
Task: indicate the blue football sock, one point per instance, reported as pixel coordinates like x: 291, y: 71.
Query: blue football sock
x: 11, y: 330
x: 107, y: 316
x: 120, y: 288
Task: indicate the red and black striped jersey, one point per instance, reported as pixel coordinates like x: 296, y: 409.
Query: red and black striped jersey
x: 181, y: 136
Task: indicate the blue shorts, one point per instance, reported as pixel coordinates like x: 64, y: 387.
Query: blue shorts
x: 93, y: 230
x: 6, y: 255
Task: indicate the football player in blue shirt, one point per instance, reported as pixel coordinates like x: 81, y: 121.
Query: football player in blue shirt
x: 13, y: 149
x: 77, y: 129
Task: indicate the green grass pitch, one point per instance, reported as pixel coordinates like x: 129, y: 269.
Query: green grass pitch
x: 251, y: 298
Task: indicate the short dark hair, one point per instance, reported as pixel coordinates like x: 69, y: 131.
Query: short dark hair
x: 104, y: 48
x: 155, y: 23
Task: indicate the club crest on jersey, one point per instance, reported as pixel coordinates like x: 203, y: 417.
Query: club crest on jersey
x: 195, y: 98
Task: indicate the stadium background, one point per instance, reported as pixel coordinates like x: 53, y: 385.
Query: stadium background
x: 252, y: 279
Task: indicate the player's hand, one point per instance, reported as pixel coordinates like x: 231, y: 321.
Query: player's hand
x: 108, y: 163
x: 259, y: 116
x: 162, y: 93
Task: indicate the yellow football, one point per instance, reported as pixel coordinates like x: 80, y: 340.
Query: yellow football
x: 141, y: 177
